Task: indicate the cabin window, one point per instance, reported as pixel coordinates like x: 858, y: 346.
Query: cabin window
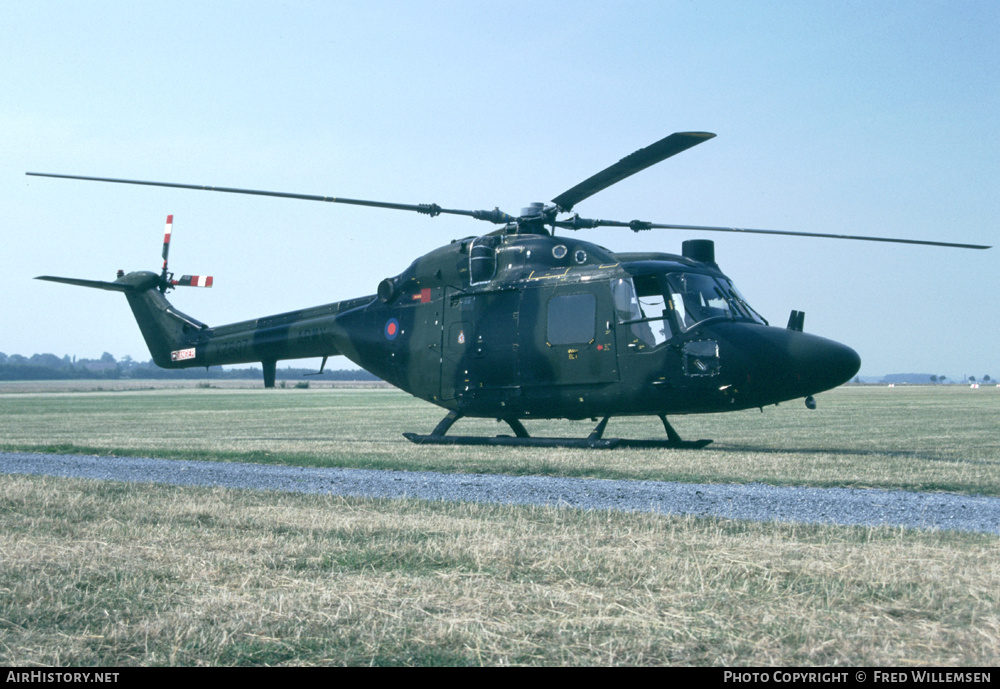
x: 571, y: 319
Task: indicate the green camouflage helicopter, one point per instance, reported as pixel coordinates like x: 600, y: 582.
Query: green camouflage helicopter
x: 521, y: 324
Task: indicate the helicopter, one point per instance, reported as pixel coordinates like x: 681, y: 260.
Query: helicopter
x: 520, y: 324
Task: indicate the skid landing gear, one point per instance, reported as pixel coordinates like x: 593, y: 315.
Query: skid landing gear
x: 595, y: 440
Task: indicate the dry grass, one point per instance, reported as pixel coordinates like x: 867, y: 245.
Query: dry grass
x: 101, y: 573
x: 116, y: 574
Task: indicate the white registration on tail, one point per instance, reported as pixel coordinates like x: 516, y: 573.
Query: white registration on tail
x: 182, y: 354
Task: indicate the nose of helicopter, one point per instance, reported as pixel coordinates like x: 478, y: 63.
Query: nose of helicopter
x: 821, y: 364
x: 776, y: 364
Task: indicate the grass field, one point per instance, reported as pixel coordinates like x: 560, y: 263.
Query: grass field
x: 920, y: 438
x: 100, y: 573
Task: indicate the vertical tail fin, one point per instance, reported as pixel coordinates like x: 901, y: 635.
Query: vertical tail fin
x: 167, y: 331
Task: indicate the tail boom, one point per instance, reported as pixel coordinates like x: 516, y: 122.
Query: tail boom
x: 177, y: 340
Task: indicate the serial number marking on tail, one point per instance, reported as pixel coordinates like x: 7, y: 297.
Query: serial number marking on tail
x: 182, y: 354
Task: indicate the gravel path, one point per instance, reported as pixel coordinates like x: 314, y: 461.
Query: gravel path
x: 753, y: 501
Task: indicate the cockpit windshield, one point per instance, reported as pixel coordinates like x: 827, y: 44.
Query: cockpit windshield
x: 657, y: 306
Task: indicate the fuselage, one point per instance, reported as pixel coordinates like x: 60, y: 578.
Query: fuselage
x: 512, y: 325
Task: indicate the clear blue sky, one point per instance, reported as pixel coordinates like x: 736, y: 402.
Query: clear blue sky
x: 842, y: 117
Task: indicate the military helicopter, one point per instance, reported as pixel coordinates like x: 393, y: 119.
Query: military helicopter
x: 520, y: 324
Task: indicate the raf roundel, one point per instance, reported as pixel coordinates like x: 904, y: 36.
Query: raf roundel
x: 391, y: 329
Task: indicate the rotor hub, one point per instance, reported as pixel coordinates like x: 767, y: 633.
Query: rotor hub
x: 533, y: 210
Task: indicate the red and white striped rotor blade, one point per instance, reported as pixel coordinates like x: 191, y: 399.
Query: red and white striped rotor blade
x: 194, y: 281
x: 166, y: 240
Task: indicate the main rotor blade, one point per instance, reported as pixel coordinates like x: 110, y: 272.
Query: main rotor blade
x: 639, y: 225
x: 629, y: 165
x: 432, y: 209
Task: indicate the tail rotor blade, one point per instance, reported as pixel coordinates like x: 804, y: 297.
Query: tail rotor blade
x: 193, y: 281
x: 166, y: 242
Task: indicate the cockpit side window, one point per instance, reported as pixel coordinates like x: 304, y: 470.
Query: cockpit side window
x: 641, y: 306
x: 626, y: 301
x: 657, y: 306
x: 697, y: 298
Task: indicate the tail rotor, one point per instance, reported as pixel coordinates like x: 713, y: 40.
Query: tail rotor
x: 166, y: 247
x: 167, y: 280
x: 142, y: 280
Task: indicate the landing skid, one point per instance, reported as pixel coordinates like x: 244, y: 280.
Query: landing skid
x: 521, y: 438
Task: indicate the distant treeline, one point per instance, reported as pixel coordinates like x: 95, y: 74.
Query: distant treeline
x: 925, y: 378
x: 51, y: 367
